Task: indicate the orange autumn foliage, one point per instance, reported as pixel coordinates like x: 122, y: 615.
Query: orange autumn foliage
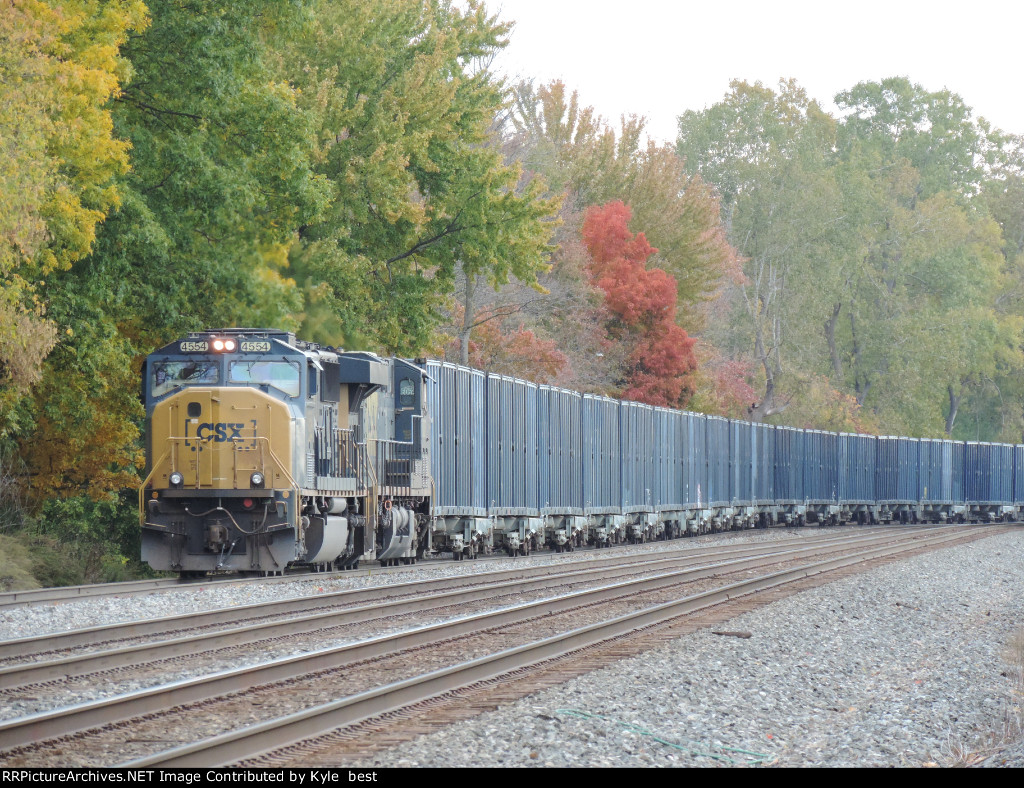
x: 520, y: 353
x: 642, y: 302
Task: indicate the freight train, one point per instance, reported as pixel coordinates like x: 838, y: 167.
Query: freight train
x: 265, y: 452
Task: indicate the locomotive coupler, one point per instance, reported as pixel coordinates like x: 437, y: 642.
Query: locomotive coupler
x: 216, y: 536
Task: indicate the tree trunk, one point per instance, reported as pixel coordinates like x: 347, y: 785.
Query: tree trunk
x: 954, y: 405
x: 830, y: 336
x: 765, y: 407
x: 860, y: 382
x: 468, y: 314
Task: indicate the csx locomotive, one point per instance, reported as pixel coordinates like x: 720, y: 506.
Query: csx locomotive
x: 264, y: 452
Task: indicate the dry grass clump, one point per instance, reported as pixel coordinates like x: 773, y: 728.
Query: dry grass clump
x: 1010, y: 730
x: 1013, y: 717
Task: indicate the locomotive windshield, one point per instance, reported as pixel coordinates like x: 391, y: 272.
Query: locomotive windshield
x: 282, y: 375
x: 170, y: 375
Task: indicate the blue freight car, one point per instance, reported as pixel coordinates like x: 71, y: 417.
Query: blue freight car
x: 858, y: 455
x: 560, y: 466
x: 563, y: 469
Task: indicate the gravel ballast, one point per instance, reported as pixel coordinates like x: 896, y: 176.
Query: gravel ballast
x: 906, y: 665
x: 41, y: 619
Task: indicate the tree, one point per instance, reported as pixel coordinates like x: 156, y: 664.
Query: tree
x: 766, y: 154
x: 515, y: 351
x: 872, y: 268
x: 642, y: 302
x: 404, y: 137
x: 933, y: 131
x: 318, y: 166
x: 922, y: 327
x: 59, y: 66
x: 576, y: 150
x: 219, y: 176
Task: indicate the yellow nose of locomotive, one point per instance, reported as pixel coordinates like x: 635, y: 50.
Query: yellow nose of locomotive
x: 221, y: 439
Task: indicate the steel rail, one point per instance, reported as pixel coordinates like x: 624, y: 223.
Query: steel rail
x: 280, y: 733
x: 130, y: 629
x: 66, y: 667
x: 37, y: 596
x: 27, y: 730
x: 32, y: 596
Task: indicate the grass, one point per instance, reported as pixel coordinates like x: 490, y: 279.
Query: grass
x: 30, y: 560
x: 16, y: 565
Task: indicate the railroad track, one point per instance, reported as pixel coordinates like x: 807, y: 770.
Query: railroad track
x: 188, y: 630
x: 296, y: 684
x: 176, y: 648
x: 37, y: 596
x: 124, y: 588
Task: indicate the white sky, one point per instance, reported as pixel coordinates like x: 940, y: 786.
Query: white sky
x: 659, y: 58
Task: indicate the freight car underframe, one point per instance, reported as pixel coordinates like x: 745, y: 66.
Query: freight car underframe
x: 521, y: 534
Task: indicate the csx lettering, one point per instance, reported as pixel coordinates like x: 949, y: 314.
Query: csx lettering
x: 219, y: 432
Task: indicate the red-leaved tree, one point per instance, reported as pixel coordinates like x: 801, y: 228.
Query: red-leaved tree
x: 642, y: 303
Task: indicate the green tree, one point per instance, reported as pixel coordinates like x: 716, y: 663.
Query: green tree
x: 220, y: 177
x: 869, y: 258
x: 59, y: 67
x: 922, y: 327
x: 404, y: 134
x: 767, y: 154
x: 933, y: 131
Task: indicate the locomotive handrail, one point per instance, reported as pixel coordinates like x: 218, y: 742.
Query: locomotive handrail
x: 259, y: 440
x: 145, y: 483
x: 352, y: 451
x: 387, y: 450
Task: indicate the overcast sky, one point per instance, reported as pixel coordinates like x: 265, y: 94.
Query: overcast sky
x: 659, y: 58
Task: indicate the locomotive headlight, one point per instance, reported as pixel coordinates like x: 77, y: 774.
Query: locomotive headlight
x: 229, y: 344
x: 257, y: 480
x: 176, y: 479
x: 218, y: 344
